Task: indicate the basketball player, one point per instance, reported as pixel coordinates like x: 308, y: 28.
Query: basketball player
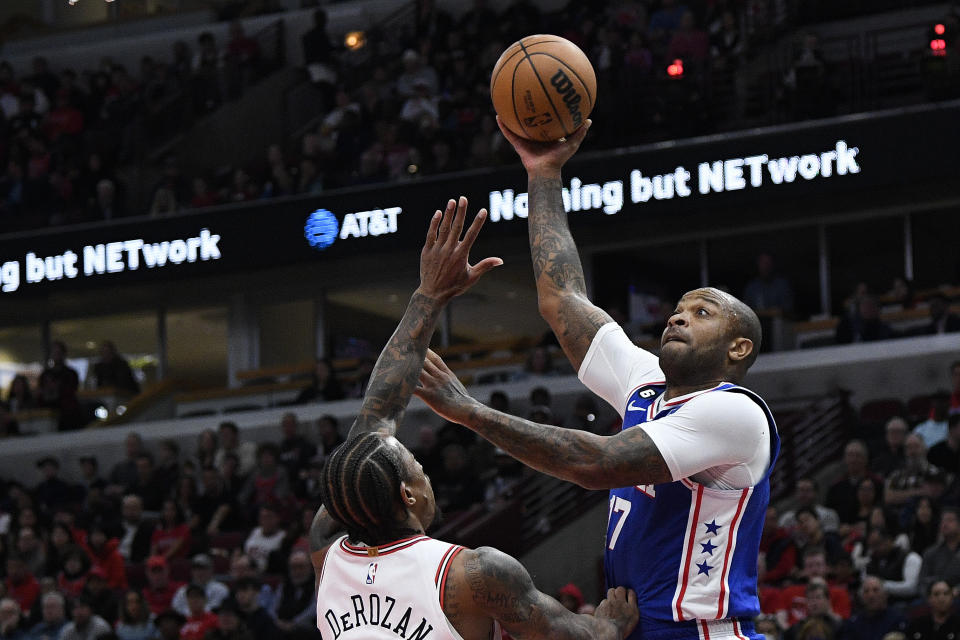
x: 688, y: 473
x: 385, y: 578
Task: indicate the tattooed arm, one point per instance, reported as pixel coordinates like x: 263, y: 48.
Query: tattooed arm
x: 561, y: 287
x: 591, y: 461
x: 322, y: 533
x: 489, y: 584
x: 445, y: 272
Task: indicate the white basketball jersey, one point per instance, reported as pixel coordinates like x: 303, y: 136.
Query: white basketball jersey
x: 392, y: 591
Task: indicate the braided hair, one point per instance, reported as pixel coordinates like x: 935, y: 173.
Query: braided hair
x: 360, y: 487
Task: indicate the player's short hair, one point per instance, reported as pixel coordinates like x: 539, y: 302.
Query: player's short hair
x: 360, y: 487
x: 746, y: 324
x: 808, y: 510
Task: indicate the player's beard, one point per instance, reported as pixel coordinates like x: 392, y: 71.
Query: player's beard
x: 685, y: 365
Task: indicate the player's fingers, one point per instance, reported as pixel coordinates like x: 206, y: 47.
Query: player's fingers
x: 482, y: 267
x: 632, y: 597
x: 432, y: 229
x: 511, y: 137
x: 448, y: 214
x: 471, y: 235
x: 456, y: 226
x: 577, y: 136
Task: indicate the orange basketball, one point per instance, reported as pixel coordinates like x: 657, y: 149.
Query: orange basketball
x: 543, y: 87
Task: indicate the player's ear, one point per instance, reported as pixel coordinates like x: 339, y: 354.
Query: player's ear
x: 740, y: 349
x: 406, y: 495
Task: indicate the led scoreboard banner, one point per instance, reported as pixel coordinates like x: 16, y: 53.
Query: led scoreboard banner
x: 726, y: 179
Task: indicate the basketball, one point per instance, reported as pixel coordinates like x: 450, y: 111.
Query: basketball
x: 543, y: 87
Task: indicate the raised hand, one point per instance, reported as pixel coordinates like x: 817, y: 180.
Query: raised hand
x: 441, y: 390
x: 545, y: 158
x: 445, y: 269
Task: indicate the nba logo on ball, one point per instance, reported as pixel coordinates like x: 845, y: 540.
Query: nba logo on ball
x: 543, y: 87
x: 321, y: 229
x: 372, y: 573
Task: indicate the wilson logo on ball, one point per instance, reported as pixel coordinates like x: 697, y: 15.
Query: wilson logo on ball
x: 561, y: 82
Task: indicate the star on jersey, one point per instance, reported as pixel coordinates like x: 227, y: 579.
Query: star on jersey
x: 708, y: 547
x: 712, y: 527
x: 704, y: 568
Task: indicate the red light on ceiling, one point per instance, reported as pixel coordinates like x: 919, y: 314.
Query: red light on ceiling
x: 939, y: 29
x: 675, y: 70
x: 938, y: 44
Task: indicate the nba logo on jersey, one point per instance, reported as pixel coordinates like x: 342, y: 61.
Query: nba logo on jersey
x: 371, y: 573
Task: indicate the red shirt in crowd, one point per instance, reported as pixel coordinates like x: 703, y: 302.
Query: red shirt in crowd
x: 163, y: 540
x: 109, y: 559
x: 794, y: 600
x: 71, y: 587
x: 196, y: 628
x: 24, y: 592
x: 159, y: 599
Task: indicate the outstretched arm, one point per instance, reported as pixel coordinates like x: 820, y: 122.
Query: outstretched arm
x: 561, y: 287
x: 591, y: 461
x: 489, y: 583
x: 445, y: 272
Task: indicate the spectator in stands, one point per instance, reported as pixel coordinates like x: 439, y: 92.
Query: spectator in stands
x: 768, y: 626
x: 230, y: 475
x: 778, y: 550
x: 941, y: 319
x: 57, y: 387
x: 58, y: 544
x: 84, y: 625
x: 164, y: 203
x: 898, y: 568
x: 266, y: 538
x: 206, y: 449
x: 907, y: 483
x: 134, y: 622
x: 206, y: 70
x: 12, y: 622
x: 416, y: 72
x: 689, y: 43
x: 809, y: 533
x: 942, y: 561
x: 19, y: 397
x: 924, y: 524
x: 74, y: 567
x: 90, y: 479
x: 148, y: 484
x: 171, y: 538
x: 842, y: 496
x: 458, y: 486
x: 330, y: 438
x: 53, y: 617
x: 295, y: 607
x: 946, y: 454
x: 102, y: 598
x: 242, y: 60
x: 31, y: 549
x: 160, y: 589
x: 269, y: 484
x: 246, y: 452
x: 112, y: 370
x: 124, y: 473
x: 319, y: 55
x: 168, y: 624
x: 133, y: 531
x: 52, y: 492
x: 295, y: 450
x: 230, y: 626
x: 806, y: 494
x: 20, y: 584
x: 248, y: 594
x: 933, y: 430
x: 168, y: 463
x: 570, y: 596
x: 864, y: 324
x: 103, y: 553
x: 874, y: 619
x: 814, y: 569
x: 585, y: 413
x: 942, y: 621
x: 665, y: 20
x: 106, y: 204
x: 768, y: 292
x: 201, y: 574
x: 891, y: 456
x: 819, y: 620
x: 201, y: 619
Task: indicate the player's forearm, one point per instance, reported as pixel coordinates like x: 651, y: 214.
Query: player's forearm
x: 556, y: 262
x: 567, y: 454
x: 394, y: 377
